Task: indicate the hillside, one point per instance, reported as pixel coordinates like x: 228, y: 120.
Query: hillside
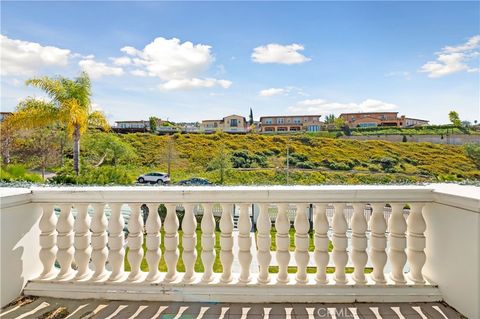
x: 261, y: 159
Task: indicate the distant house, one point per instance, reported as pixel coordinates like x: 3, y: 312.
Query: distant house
x: 374, y: 119
x: 229, y: 124
x: 3, y: 115
x: 134, y: 126
x: 290, y: 123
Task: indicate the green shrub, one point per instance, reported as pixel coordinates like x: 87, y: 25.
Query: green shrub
x: 473, y: 151
x: 18, y: 173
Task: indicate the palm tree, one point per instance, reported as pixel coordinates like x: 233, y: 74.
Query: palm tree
x: 69, y: 107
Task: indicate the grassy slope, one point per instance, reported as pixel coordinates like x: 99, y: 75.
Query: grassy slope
x: 415, y: 162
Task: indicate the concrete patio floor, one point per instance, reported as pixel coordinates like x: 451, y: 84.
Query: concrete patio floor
x: 129, y: 310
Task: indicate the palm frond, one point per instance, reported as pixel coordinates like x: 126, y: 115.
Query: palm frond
x: 52, y: 86
x: 34, y: 113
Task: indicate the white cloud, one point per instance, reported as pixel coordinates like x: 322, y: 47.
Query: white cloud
x: 138, y: 72
x: 319, y: 106
x: 195, y: 83
x: 98, y: 69
x: 170, y: 59
x: 179, y: 65
x: 27, y: 58
x: 277, y: 53
x: 123, y: 60
x: 453, y: 59
x: 272, y: 92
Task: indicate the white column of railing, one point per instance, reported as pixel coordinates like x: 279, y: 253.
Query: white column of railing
x: 99, y: 242
x: 416, y: 243
x: 378, y: 242
x: 340, y: 243
x: 359, y: 243
x: 406, y: 239
x: 263, y: 243
x: 189, y: 241
x: 282, y: 226
x: 398, y: 242
x: 226, y: 242
x: 48, y: 241
x: 301, y: 243
x: 116, y: 239
x: 82, y: 245
x: 65, y: 242
x: 320, y: 226
x: 208, y: 242
x: 153, y: 254
x: 134, y: 242
x: 171, y: 242
x: 244, y: 243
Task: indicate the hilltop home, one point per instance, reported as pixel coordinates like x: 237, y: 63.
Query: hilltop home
x: 290, y: 123
x: 373, y: 119
x: 229, y: 124
x: 134, y: 126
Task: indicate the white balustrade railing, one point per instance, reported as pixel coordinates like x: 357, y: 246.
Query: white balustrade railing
x: 291, y: 244
x: 94, y: 243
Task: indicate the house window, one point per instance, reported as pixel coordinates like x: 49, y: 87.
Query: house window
x: 215, y: 124
x: 367, y: 124
x: 382, y: 116
x: 305, y: 119
x: 268, y: 121
x: 234, y: 122
x: 297, y: 120
x: 280, y: 121
x: 313, y: 128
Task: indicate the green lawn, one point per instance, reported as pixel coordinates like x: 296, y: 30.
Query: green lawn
x: 217, y: 266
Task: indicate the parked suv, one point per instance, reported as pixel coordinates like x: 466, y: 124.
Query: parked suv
x: 156, y: 177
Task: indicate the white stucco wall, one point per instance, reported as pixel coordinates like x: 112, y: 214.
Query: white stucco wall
x: 19, y: 241
x: 453, y: 256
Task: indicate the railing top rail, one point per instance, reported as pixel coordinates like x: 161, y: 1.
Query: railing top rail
x: 237, y: 194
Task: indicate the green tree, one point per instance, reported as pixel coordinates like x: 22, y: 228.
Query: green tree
x: 221, y: 162
x: 454, y: 118
x: 170, y: 154
x: 250, y: 118
x: 330, y: 119
x: 69, y: 107
x: 108, y: 148
x: 153, y: 123
x: 339, y: 122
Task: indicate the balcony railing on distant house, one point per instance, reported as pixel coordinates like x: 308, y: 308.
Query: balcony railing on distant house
x: 428, y: 236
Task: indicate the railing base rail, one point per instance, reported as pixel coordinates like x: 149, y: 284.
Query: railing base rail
x: 235, y: 292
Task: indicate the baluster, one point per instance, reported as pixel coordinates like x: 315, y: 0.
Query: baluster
x: 189, y: 241
x: 153, y: 253
x: 244, y: 243
x: 171, y: 242
x: 416, y: 243
x: 226, y: 242
x: 340, y: 243
x: 378, y: 242
x: 83, y: 250
x: 65, y: 242
x: 99, y: 242
x: 263, y: 243
x: 302, y: 257
x: 115, y: 242
x: 282, y: 225
x: 48, y: 240
x: 398, y: 242
x: 208, y: 242
x: 359, y: 243
x: 320, y: 225
x: 134, y: 242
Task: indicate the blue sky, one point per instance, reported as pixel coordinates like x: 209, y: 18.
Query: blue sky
x: 202, y: 60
